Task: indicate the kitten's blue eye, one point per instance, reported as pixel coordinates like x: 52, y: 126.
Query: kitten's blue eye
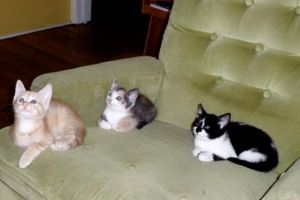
x: 206, y: 127
x: 33, y: 102
x: 21, y: 100
x: 118, y: 98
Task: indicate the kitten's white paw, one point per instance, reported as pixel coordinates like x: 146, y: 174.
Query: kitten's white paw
x: 24, y: 161
x: 205, y: 156
x: 104, y: 124
x: 196, y: 152
x: 60, y: 146
x: 62, y: 143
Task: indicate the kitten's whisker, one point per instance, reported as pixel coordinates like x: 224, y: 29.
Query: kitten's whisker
x: 7, y: 109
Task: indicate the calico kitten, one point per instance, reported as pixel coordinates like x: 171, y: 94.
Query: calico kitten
x: 40, y: 122
x: 126, y: 110
x: 217, y: 138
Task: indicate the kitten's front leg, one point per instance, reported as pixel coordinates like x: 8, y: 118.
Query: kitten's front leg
x: 104, y: 124
x: 202, y: 154
x: 206, y: 156
x: 30, y: 154
x: 197, y: 151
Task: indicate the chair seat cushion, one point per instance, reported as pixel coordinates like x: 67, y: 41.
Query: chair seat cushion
x: 7, y: 193
x: 155, y: 162
x: 287, y: 186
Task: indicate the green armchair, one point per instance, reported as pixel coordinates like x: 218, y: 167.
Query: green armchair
x: 235, y: 56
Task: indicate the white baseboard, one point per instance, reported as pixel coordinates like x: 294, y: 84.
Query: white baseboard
x: 31, y: 31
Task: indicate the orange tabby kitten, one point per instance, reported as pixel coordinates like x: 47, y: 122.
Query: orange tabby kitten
x: 41, y: 122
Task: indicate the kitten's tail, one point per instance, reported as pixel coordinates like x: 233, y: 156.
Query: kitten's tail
x: 79, y: 138
x: 141, y: 124
x: 264, y: 166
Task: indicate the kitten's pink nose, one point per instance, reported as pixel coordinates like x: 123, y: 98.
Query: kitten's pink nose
x: 25, y: 105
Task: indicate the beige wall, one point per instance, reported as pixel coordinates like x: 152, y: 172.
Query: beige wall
x: 17, y: 16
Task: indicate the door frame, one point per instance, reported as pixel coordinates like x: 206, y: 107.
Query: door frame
x: 81, y: 11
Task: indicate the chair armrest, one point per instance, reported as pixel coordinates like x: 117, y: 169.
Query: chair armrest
x: 85, y: 88
x: 287, y: 187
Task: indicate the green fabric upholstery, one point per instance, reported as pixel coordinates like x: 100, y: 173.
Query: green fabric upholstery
x: 153, y: 163
x: 238, y: 56
x: 235, y: 56
x: 8, y: 194
x: 287, y: 187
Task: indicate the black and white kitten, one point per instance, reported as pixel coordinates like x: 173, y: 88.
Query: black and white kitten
x: 126, y: 110
x: 217, y: 138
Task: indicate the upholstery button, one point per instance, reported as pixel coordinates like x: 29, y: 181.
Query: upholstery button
x: 213, y: 36
x: 133, y: 81
x: 267, y: 93
x: 183, y: 197
x: 283, y: 173
x: 249, y: 2
x: 86, y: 146
x: 97, y: 92
x: 219, y: 80
x: 259, y: 47
x: 298, y: 11
x: 131, y: 166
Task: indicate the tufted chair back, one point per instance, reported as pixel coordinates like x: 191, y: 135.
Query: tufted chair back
x: 237, y: 56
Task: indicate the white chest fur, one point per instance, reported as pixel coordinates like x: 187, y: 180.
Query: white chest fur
x: 26, y: 126
x: 24, y: 130
x: 220, y: 146
x: 113, y: 116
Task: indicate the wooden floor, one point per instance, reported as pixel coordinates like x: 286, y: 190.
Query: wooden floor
x: 25, y: 57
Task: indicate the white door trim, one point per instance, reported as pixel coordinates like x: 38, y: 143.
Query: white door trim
x: 81, y: 11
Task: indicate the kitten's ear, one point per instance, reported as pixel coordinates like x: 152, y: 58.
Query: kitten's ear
x: 201, y: 110
x: 20, y: 88
x: 46, y: 94
x: 132, y: 95
x: 114, y: 85
x: 224, y: 120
